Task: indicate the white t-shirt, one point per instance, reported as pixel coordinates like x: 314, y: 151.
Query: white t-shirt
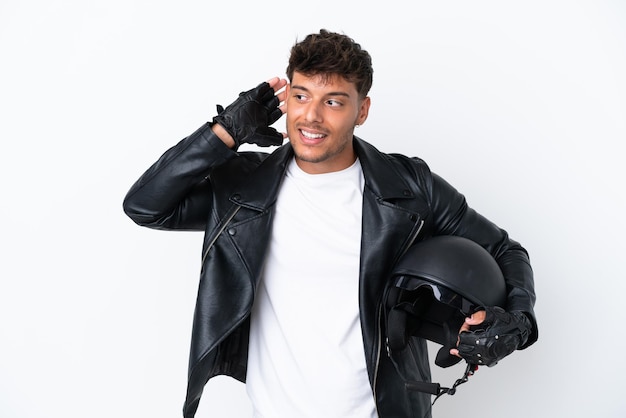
x: 306, y: 356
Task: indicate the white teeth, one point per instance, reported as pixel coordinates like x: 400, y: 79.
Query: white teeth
x: 311, y: 136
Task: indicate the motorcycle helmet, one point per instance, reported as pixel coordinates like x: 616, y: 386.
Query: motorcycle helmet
x: 435, y: 285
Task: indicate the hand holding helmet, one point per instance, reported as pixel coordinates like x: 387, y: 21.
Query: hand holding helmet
x: 497, y: 336
x: 439, y: 286
x: 248, y: 118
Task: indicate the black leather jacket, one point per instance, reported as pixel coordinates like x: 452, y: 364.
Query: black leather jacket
x: 200, y: 184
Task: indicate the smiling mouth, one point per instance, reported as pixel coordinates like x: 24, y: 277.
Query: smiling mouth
x: 311, y: 137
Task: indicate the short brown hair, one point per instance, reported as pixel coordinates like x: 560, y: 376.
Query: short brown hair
x: 326, y: 54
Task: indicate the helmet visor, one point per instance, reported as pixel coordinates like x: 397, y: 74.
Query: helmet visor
x: 415, y: 290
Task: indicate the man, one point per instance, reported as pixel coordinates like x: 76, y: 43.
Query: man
x: 299, y: 243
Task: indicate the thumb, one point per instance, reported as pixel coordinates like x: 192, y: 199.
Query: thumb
x: 266, y: 136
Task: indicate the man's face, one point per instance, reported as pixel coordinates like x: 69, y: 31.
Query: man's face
x: 321, y: 117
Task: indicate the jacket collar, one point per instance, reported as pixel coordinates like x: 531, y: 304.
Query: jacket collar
x: 261, y: 189
x: 380, y: 176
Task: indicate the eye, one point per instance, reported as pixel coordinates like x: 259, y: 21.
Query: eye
x: 300, y: 97
x: 334, y: 103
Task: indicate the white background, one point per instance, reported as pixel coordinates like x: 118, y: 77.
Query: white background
x: 520, y: 105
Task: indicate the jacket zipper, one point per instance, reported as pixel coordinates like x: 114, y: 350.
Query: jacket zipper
x: 380, y: 308
x: 229, y: 218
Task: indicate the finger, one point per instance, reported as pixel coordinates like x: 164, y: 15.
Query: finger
x: 476, y: 318
x: 277, y: 83
x: 273, y: 93
x: 272, y: 81
x: 282, y: 96
x: 280, y: 85
x: 272, y: 102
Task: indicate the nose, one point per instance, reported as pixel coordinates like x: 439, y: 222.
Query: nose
x: 313, y: 112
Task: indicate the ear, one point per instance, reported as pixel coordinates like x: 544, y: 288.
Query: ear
x: 364, y: 110
x: 286, y: 96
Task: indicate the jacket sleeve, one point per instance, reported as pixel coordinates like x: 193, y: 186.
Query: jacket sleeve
x: 453, y: 216
x: 174, y: 193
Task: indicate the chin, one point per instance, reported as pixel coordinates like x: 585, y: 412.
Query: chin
x: 309, y: 157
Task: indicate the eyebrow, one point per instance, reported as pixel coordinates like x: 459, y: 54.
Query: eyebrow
x: 332, y: 93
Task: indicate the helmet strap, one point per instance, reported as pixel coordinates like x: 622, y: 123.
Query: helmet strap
x: 450, y: 335
x: 469, y: 371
